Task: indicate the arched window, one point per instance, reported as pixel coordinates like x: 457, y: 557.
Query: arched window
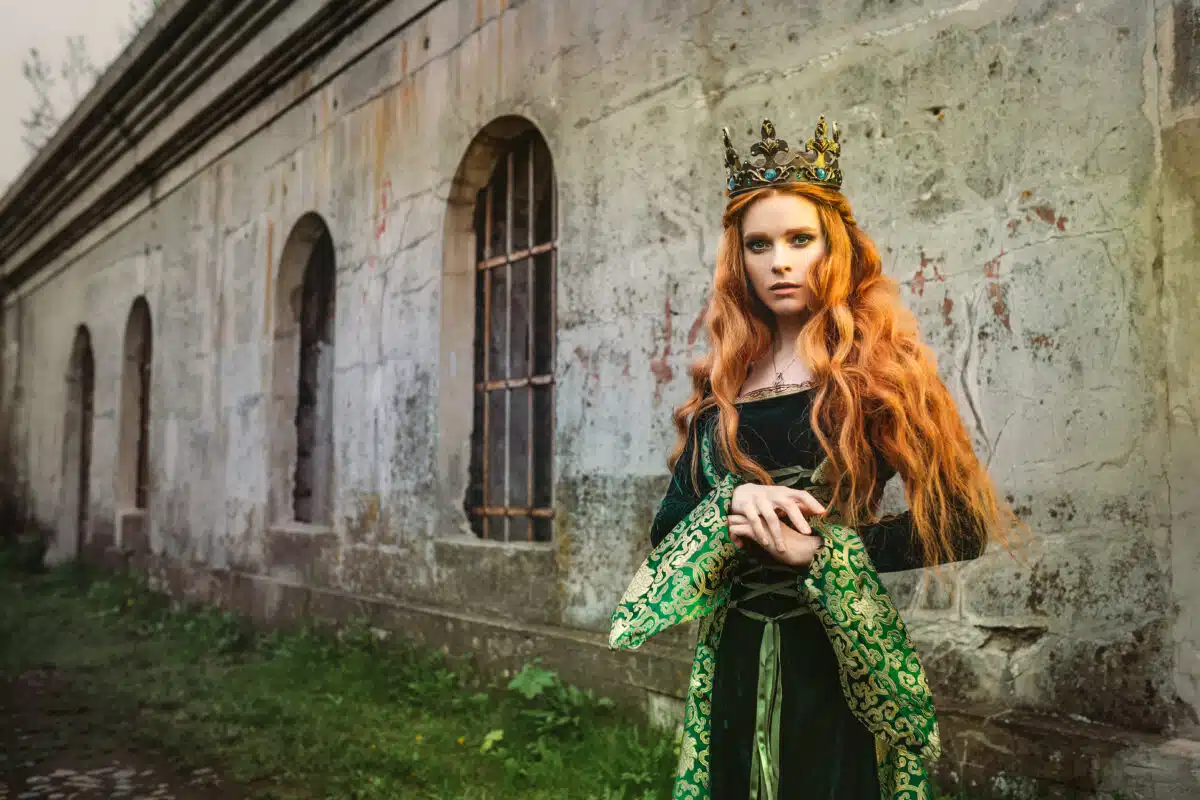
x: 509, y: 497
x: 305, y: 305
x: 77, y: 444
x: 133, y: 477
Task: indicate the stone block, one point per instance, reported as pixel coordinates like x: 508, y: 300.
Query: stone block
x: 378, y: 572
x: 512, y: 581
x: 1121, y: 678
x: 302, y: 554
x: 133, y: 534
x: 1069, y: 581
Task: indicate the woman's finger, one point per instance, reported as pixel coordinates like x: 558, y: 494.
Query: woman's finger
x: 767, y: 509
x: 743, y: 500
x: 759, y: 530
x: 807, y: 502
x: 735, y: 537
x: 796, y: 516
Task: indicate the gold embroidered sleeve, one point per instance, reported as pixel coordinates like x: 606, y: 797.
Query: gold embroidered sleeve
x: 681, y: 577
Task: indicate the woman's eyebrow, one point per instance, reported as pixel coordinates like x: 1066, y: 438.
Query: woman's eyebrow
x: 788, y: 232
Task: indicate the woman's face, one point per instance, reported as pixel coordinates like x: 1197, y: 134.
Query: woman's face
x: 781, y: 242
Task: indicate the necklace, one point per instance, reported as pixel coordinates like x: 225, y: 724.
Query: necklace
x: 779, y: 372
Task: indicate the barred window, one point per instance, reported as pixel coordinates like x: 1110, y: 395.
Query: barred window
x: 510, y: 497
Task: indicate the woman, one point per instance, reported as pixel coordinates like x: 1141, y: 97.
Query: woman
x: 817, y: 390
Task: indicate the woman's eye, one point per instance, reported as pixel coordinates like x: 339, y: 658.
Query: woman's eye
x: 801, y: 239
x: 756, y: 245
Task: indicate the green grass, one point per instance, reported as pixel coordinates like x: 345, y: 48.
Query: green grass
x: 314, y: 715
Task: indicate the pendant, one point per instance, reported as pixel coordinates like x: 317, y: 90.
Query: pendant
x: 778, y: 379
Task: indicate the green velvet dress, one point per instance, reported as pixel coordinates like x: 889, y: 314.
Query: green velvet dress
x: 804, y: 685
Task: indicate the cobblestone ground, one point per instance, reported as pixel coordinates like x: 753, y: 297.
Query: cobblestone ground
x: 53, y: 746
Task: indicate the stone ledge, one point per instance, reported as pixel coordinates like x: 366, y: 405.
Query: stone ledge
x: 300, y: 529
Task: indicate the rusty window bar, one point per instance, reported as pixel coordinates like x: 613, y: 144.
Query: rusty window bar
x: 508, y: 332
x: 530, y: 304
x: 512, y: 511
x: 519, y: 255
x: 485, y: 454
x: 552, y: 338
x: 514, y: 383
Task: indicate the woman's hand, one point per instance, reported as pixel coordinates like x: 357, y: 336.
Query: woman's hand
x: 798, y: 550
x: 757, y: 510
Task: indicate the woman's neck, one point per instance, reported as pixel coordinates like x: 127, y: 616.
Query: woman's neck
x: 787, y: 331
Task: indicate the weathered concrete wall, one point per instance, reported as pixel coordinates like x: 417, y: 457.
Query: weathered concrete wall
x: 1027, y: 167
x: 1177, y: 271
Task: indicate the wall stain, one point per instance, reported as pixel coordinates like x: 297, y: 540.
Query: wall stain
x: 383, y: 202
x: 661, y: 367
x: 385, y: 113
x: 999, y: 298
x: 919, y: 279
x: 365, y: 520
x: 1046, y: 214
x: 992, y: 268
x: 698, y: 323
x: 1040, y: 341
x: 591, y: 368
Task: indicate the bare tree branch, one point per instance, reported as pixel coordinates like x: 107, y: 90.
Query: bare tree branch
x: 42, y: 120
x: 77, y: 73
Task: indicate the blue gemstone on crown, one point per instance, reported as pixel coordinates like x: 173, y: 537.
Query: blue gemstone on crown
x: 770, y: 174
x: 821, y: 173
x: 732, y: 184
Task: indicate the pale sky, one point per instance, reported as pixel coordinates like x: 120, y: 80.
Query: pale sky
x: 46, y: 25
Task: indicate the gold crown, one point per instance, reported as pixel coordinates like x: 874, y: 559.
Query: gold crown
x: 816, y: 163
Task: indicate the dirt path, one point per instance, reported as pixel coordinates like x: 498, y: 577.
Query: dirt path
x: 55, y: 745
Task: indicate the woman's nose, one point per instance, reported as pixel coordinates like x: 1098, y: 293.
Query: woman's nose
x: 781, y: 268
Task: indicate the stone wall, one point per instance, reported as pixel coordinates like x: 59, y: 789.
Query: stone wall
x: 1026, y: 167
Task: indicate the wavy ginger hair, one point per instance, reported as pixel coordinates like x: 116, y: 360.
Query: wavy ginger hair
x: 877, y: 389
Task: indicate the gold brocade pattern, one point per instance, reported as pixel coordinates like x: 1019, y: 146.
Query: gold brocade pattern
x: 882, y: 679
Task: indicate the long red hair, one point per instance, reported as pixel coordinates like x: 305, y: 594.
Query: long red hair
x: 877, y: 389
